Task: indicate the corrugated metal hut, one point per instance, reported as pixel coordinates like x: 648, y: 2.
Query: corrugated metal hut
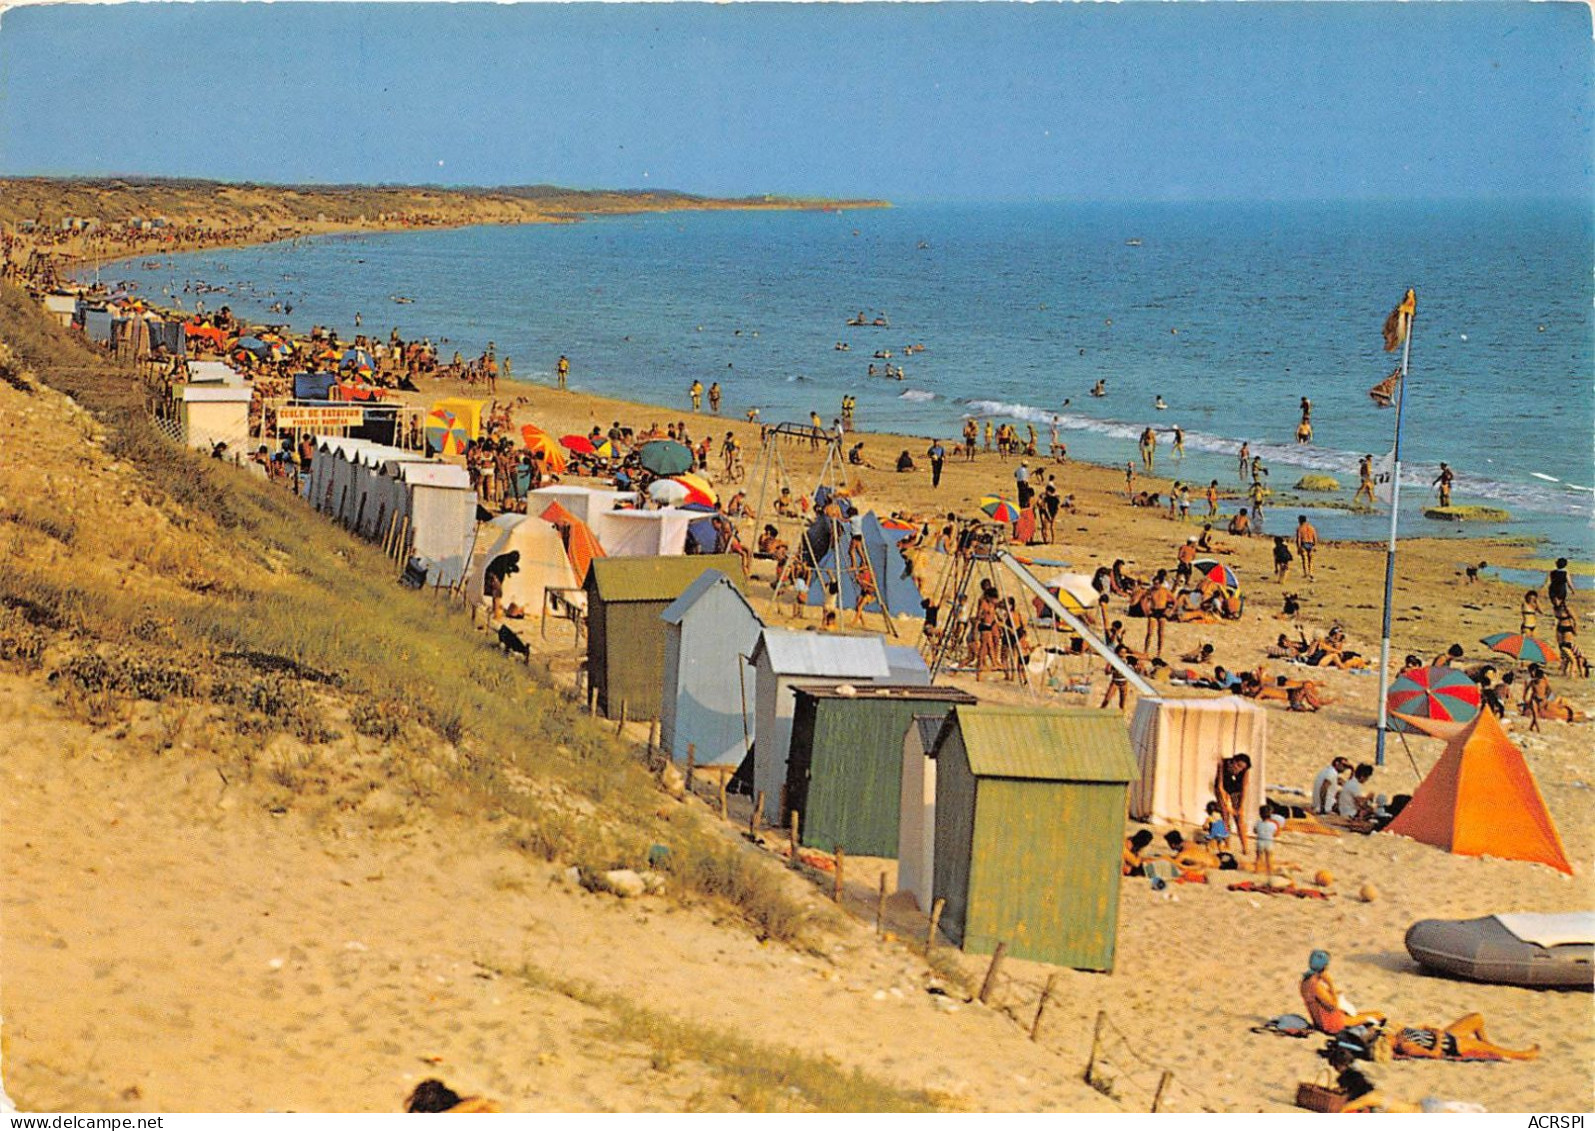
x: 845, y: 762
x: 625, y: 632
x: 784, y: 658
x: 1029, y: 829
x: 707, y: 696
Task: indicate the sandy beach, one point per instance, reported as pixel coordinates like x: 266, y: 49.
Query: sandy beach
x: 322, y: 941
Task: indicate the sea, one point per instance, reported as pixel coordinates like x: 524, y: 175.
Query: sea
x: 1227, y: 313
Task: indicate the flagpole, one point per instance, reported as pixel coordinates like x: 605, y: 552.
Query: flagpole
x: 1390, y: 552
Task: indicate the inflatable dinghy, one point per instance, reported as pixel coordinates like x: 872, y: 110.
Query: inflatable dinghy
x: 1541, y: 951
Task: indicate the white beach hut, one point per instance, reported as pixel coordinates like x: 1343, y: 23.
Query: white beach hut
x: 782, y: 658
x: 441, y: 506
x: 213, y: 415
x: 710, y: 630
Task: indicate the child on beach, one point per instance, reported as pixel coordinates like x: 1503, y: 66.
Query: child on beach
x: 1264, y: 832
x: 1214, y: 834
x: 1282, y: 559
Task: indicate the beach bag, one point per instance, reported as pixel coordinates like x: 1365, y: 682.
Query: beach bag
x: 1319, y: 1097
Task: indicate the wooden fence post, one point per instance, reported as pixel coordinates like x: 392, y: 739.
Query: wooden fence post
x: 935, y: 921
x: 1162, y: 1086
x: 620, y: 727
x: 1096, y: 1044
x: 1046, y: 996
x: 991, y: 972
x: 757, y: 814
x: 792, y: 829
x: 836, y: 887
x: 692, y: 763
x: 880, y: 909
x: 723, y: 796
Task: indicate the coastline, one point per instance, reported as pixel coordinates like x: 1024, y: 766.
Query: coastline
x: 1174, y: 947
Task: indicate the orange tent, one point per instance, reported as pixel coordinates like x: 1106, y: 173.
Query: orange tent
x: 581, y: 544
x: 545, y: 447
x: 1481, y: 799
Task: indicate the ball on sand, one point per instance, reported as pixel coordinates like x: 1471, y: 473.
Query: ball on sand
x: 1369, y: 893
x: 1323, y: 877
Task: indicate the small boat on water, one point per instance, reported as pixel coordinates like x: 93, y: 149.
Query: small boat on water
x: 1132, y: 242
x: 1541, y: 951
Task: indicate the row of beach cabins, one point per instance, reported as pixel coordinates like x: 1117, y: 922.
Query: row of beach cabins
x: 1012, y: 816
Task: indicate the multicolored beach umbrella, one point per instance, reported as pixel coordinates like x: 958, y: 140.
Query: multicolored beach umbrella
x: 999, y: 508
x: 698, y: 488
x: 1438, y: 694
x: 668, y: 492
x: 1217, y: 572
x: 1523, y: 649
x: 665, y: 457
x: 446, y: 433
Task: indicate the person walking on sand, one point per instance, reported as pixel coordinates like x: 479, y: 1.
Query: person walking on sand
x: 1117, y: 684
x: 1442, y: 483
x: 1212, y: 499
x: 1306, y: 543
x: 562, y: 371
x: 1129, y: 478
x: 1364, y: 480
x: 937, y: 456
x: 971, y: 438
x: 988, y: 435
x: 714, y: 397
x: 1282, y: 559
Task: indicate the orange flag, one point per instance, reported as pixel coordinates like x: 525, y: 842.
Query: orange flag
x: 1400, y: 321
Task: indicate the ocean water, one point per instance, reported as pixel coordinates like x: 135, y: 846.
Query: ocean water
x: 1229, y: 312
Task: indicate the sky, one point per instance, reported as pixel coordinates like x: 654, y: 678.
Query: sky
x: 940, y: 101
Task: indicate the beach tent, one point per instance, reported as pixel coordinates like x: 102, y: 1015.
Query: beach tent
x: 709, y: 630
x: 845, y: 762
x: 916, y: 810
x: 213, y: 416
x: 543, y: 564
x: 1030, y: 830
x: 637, y: 534
x: 441, y: 506
x: 782, y: 659
x: 583, y: 502
x: 889, y: 565
x: 1179, y: 743
x: 1481, y: 800
x: 625, y: 631
x: 581, y: 544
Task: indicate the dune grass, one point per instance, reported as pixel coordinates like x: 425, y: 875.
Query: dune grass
x: 756, y: 1076
x: 249, y: 602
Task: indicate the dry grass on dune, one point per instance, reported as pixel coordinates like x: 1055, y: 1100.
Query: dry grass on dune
x: 177, y: 600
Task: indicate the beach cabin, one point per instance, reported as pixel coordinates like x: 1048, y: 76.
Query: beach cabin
x: 543, y: 562
x: 710, y: 630
x: 369, y: 503
x: 441, y: 506
x: 1179, y: 743
x: 62, y: 309
x: 212, y: 415
x: 1030, y: 829
x: 916, y: 810
x: 783, y: 659
x: 636, y: 534
x: 214, y: 373
x: 845, y: 762
x: 625, y: 629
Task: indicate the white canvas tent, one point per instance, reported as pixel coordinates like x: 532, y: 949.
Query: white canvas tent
x: 643, y: 534
x: 543, y: 562
x: 1178, y: 746
x: 583, y: 502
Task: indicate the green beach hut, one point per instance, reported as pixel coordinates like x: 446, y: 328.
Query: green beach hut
x: 625, y: 633
x: 845, y: 764
x: 1030, y: 809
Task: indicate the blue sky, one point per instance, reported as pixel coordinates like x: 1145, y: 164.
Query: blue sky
x: 903, y: 101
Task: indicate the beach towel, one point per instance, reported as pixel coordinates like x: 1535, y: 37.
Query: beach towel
x: 1286, y: 1025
